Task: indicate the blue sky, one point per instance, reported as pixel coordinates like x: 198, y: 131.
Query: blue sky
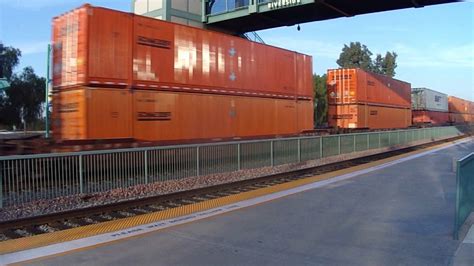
x: 435, y: 44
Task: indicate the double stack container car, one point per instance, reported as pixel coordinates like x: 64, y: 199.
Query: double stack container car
x: 460, y: 111
x: 119, y: 75
x: 363, y: 100
x: 429, y: 107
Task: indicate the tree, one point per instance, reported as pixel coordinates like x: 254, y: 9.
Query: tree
x: 378, y: 63
x: 9, y: 59
x: 389, y: 64
x: 320, y: 99
x: 25, y: 99
x: 355, y: 55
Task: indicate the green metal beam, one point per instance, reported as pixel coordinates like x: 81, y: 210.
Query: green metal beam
x: 185, y: 15
x: 156, y: 13
x: 253, y: 7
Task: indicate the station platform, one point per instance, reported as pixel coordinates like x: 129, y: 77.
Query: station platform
x: 398, y: 212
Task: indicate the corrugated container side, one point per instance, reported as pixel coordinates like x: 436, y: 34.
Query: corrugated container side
x: 179, y: 57
x: 431, y: 117
x: 305, y: 113
x: 386, y: 90
x: 458, y: 118
x: 430, y: 100
x: 368, y: 116
x: 102, y: 47
x: 92, y: 46
x: 343, y: 87
x: 70, y: 45
x: 69, y: 116
x: 458, y: 105
x: 92, y: 113
x: 184, y: 116
x: 358, y: 86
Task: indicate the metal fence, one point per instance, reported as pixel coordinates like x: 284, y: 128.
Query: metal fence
x: 28, y: 178
x: 464, y: 192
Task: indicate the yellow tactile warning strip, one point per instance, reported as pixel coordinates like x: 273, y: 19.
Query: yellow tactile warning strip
x: 116, y: 225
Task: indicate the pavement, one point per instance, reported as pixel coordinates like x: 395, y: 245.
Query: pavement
x: 465, y: 253
x: 399, y: 215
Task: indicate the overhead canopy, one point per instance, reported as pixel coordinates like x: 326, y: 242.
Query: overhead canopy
x: 239, y: 16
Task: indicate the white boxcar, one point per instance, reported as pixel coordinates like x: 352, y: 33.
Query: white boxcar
x: 429, y: 100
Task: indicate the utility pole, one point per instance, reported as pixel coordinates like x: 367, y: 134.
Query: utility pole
x: 47, y: 91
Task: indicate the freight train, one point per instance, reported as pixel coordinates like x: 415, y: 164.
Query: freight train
x: 360, y: 99
x: 118, y: 75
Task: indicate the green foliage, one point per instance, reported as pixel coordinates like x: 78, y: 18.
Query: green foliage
x: 9, y: 59
x: 320, y: 100
x: 357, y: 55
x: 25, y: 98
x: 389, y: 64
x: 22, y: 103
x: 378, y: 64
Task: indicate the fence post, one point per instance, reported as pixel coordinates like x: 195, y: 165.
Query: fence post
x: 398, y: 137
x: 146, y: 167
x: 368, y: 141
x: 299, y: 150
x: 380, y: 140
x: 389, y: 139
x: 354, y: 143
x: 339, y: 144
x: 197, y: 161
x: 320, y: 147
x: 271, y: 153
x: 81, y: 175
x: 239, y: 167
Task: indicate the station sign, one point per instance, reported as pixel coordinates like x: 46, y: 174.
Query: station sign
x: 275, y: 4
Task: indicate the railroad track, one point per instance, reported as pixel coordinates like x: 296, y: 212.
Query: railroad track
x: 31, y: 226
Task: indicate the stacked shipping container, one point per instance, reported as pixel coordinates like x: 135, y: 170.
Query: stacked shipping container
x: 429, y: 107
x: 460, y: 110
x: 175, y: 82
x: 360, y: 99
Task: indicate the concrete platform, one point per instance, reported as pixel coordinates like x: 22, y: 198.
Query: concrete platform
x: 465, y: 253
x: 398, y: 215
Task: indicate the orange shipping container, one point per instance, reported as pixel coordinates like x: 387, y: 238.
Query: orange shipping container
x: 457, y: 118
x: 97, y: 46
x: 92, y: 46
x: 430, y: 117
x: 360, y: 99
x: 179, y: 57
x: 92, y: 113
x: 460, y: 106
x: 350, y: 86
x: 185, y: 116
x: 368, y: 116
